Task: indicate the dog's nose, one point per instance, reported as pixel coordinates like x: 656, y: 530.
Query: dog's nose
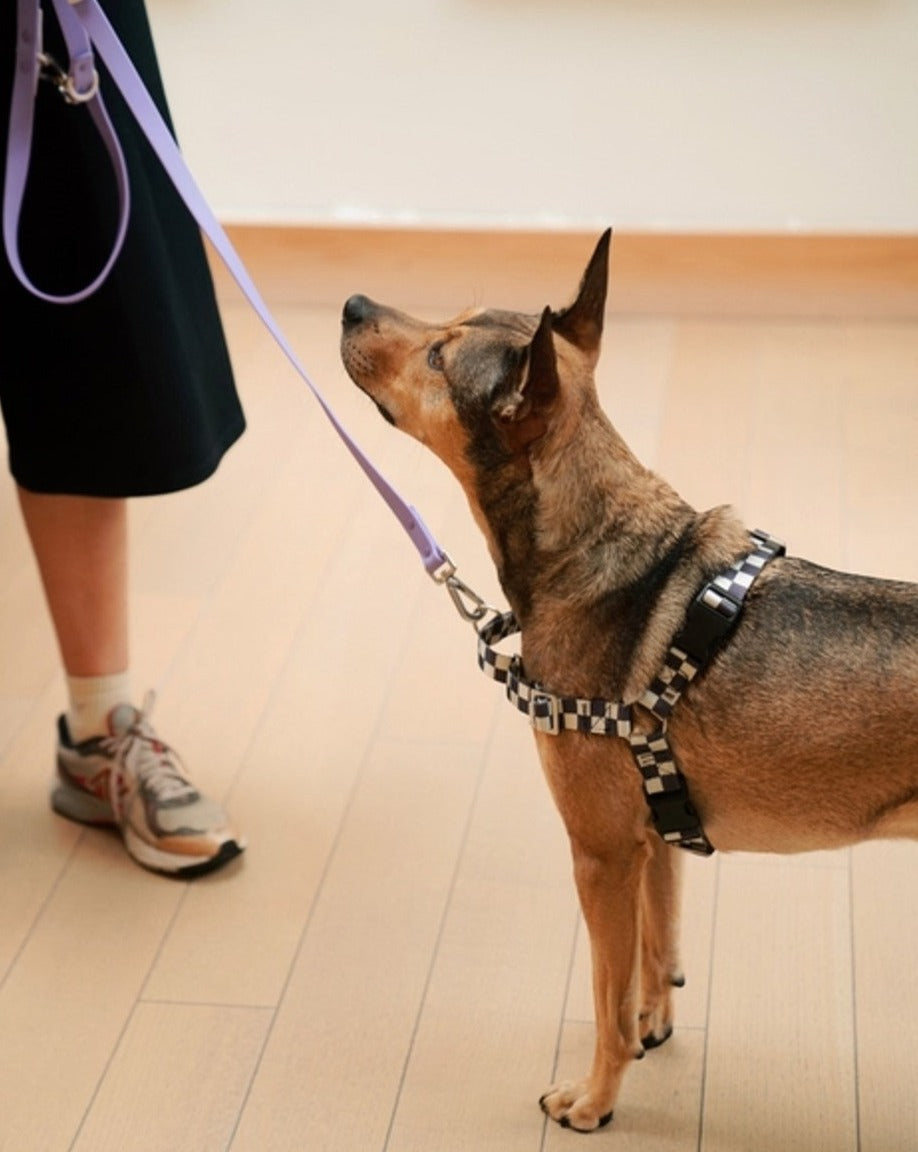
x: 356, y: 310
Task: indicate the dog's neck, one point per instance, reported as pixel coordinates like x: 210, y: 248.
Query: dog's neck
x: 584, y: 539
x: 578, y: 519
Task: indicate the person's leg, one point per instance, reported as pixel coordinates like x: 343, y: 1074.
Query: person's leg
x: 111, y: 765
x: 80, y: 545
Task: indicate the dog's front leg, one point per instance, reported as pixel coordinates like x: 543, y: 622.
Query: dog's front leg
x: 660, y: 967
x: 610, y: 896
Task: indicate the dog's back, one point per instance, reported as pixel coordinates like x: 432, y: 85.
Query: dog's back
x: 816, y: 703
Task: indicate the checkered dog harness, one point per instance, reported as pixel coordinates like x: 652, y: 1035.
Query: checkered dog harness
x: 710, y: 618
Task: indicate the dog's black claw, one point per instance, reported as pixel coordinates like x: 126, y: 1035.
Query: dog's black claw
x: 602, y: 1122
x: 650, y: 1042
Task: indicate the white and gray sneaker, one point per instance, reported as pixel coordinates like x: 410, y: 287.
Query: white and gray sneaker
x: 131, y: 779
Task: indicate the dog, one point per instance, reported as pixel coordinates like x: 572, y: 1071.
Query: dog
x: 799, y: 733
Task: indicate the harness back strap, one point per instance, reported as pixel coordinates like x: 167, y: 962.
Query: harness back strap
x: 709, y: 620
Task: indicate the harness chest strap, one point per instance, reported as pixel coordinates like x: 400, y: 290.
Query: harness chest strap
x: 709, y: 620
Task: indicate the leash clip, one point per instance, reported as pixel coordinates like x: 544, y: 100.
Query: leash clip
x: 469, y: 604
x: 50, y: 70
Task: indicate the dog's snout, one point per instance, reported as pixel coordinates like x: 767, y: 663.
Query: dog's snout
x: 356, y: 310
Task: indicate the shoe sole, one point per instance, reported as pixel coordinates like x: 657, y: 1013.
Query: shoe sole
x: 84, y: 808
x: 180, y: 867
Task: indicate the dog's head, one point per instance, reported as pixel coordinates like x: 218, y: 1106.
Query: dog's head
x: 486, y: 388
x: 499, y: 397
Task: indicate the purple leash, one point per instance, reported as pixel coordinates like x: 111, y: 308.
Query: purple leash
x: 78, y: 86
x: 84, y: 24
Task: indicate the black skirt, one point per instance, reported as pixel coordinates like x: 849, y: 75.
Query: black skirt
x: 130, y: 392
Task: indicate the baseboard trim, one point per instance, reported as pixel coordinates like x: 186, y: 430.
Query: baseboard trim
x: 868, y: 276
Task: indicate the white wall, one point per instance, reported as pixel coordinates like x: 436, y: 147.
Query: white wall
x: 671, y: 114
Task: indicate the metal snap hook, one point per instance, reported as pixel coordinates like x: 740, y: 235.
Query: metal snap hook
x: 50, y: 70
x: 64, y: 82
x: 469, y: 604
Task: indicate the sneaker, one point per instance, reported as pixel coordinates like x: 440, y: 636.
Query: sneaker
x: 131, y: 779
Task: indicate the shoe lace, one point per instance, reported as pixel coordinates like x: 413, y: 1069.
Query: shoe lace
x: 152, y: 762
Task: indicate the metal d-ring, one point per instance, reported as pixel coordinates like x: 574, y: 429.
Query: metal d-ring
x: 71, y: 93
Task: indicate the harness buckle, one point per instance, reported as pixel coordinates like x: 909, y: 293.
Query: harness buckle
x: 544, y: 712
x: 674, y: 815
x: 711, y: 616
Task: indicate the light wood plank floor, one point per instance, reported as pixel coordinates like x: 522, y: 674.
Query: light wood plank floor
x: 397, y: 964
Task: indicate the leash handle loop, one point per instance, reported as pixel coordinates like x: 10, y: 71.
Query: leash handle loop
x: 79, y: 85
x: 84, y: 24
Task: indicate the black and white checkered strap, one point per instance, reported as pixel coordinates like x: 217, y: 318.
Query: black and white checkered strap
x: 547, y: 712
x: 709, y: 620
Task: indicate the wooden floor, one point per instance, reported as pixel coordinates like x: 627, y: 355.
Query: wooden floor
x: 397, y: 962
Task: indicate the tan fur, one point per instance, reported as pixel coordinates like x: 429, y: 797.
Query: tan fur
x: 801, y: 734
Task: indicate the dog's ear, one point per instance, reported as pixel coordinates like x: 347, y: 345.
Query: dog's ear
x: 521, y: 412
x: 581, y: 322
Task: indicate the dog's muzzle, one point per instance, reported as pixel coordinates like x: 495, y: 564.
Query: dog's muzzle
x: 359, y: 310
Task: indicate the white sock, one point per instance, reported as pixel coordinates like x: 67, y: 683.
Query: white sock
x: 91, y: 700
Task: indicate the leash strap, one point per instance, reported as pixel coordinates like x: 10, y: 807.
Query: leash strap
x: 80, y: 85
x: 85, y: 25
x: 709, y: 620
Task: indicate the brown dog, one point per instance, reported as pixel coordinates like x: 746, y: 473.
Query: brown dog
x: 800, y: 733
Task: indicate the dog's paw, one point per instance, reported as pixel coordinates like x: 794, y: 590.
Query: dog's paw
x: 656, y: 1021
x: 573, y: 1107
x: 653, y: 1039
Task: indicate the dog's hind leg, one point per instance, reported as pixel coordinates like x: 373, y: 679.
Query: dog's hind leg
x: 660, y: 967
x: 610, y: 896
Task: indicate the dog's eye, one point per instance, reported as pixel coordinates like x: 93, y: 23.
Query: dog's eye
x: 435, y: 356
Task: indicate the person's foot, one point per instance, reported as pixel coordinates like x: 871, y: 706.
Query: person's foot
x: 130, y: 778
